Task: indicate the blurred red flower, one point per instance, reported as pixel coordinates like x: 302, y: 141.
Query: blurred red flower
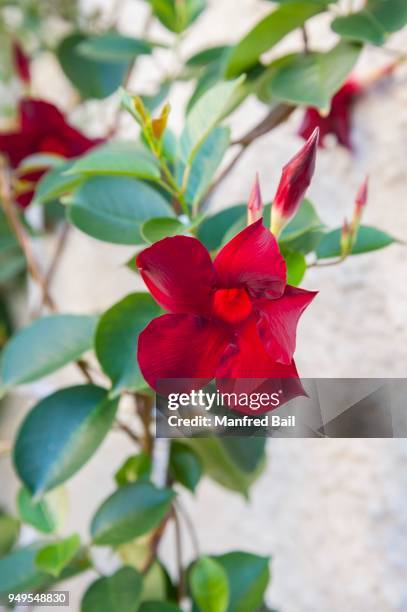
x: 42, y: 129
x: 233, y: 318
x: 21, y: 63
x: 339, y: 119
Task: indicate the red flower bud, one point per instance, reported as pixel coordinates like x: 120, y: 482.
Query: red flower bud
x: 360, y: 203
x: 295, y: 179
x: 21, y: 63
x: 255, y: 204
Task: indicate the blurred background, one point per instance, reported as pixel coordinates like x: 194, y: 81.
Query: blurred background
x: 331, y: 512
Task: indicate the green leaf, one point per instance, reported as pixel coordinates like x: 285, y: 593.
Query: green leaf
x: 93, y: 79
x: 159, y: 606
x: 209, y: 585
x: 45, y: 346
x: 135, y: 467
x: 233, y: 462
x: 60, y: 435
x: 46, y: 515
x: 374, y: 22
x: 117, y: 158
x: 213, y: 229
x: 9, y: 530
x: 18, y: 572
x: 305, y: 220
x: 209, y: 75
x: 296, y: 267
x: 54, y: 557
x: 248, y: 577
x: 268, y: 32
x: 114, y: 47
x: 204, y: 116
x: 39, y: 161
x: 113, y: 208
x: 305, y: 243
x: 116, y: 593
x: 131, y: 511
x: 206, y: 164
x: 203, y: 58
x: 314, y: 78
x: 161, y: 227
x: 56, y: 183
x: 368, y: 239
x: 153, y: 101
x: 12, y: 264
x: 116, y: 340
x: 184, y: 465
x: 177, y: 15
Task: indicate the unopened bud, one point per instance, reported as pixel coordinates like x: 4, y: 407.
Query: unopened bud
x: 255, y: 204
x: 159, y: 125
x: 346, y: 239
x: 21, y: 63
x: 295, y: 179
x: 360, y: 203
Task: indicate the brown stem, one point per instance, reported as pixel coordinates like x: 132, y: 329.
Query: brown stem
x: 128, y: 431
x: 155, y: 542
x: 144, y: 407
x: 21, y: 236
x: 277, y: 115
x: 178, y: 552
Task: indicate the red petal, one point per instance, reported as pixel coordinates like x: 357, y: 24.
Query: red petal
x: 277, y: 322
x: 21, y: 62
x: 40, y: 117
x: 179, y: 274
x: 253, y: 259
x: 311, y: 120
x: 246, y: 368
x: 180, y: 347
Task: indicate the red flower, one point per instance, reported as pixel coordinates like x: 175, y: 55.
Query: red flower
x: 235, y: 317
x: 295, y: 179
x: 255, y: 204
x: 338, y: 121
x: 42, y: 129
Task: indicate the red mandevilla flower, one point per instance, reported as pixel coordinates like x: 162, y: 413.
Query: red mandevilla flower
x: 42, y: 129
x: 21, y: 63
x: 338, y: 120
x: 233, y: 318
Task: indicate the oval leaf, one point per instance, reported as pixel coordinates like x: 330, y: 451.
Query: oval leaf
x: 130, y: 512
x: 9, y: 530
x: 18, y: 572
x: 209, y: 585
x: 113, y: 208
x: 248, y: 577
x: 48, y: 514
x: 185, y: 466
x: 60, y: 434
x: 45, y: 346
x: 56, y: 183
x: 117, y: 336
x: 114, y: 47
x: 119, y: 592
x: 54, y: 557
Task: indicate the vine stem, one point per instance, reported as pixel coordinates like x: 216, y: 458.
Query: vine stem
x: 20, y: 234
x: 178, y: 553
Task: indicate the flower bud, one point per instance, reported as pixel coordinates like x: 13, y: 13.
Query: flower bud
x: 160, y: 123
x: 21, y: 63
x: 295, y: 179
x: 360, y: 203
x: 255, y: 204
x: 346, y: 239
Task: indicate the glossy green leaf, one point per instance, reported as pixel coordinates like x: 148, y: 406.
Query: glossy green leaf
x: 296, y: 267
x: 116, y: 593
x: 135, y: 467
x: 46, y: 515
x: 374, y: 22
x: 233, y: 462
x: 210, y: 74
x: 248, y: 577
x: 9, y: 530
x: 116, y: 340
x: 305, y: 243
x: 268, y: 32
x: 211, y: 55
x: 54, y: 557
x: 124, y: 158
x: 213, y: 229
x: 45, y: 346
x: 114, y: 47
x: 206, y: 163
x: 209, y: 585
x: 161, y: 227
x: 93, y: 78
x: 55, y: 183
x: 39, y: 161
x: 177, y: 15
x: 18, y: 572
x: 314, y: 78
x: 113, y: 208
x: 368, y: 239
x: 60, y: 435
x: 184, y: 465
x: 131, y: 511
x: 204, y: 116
x: 305, y: 220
